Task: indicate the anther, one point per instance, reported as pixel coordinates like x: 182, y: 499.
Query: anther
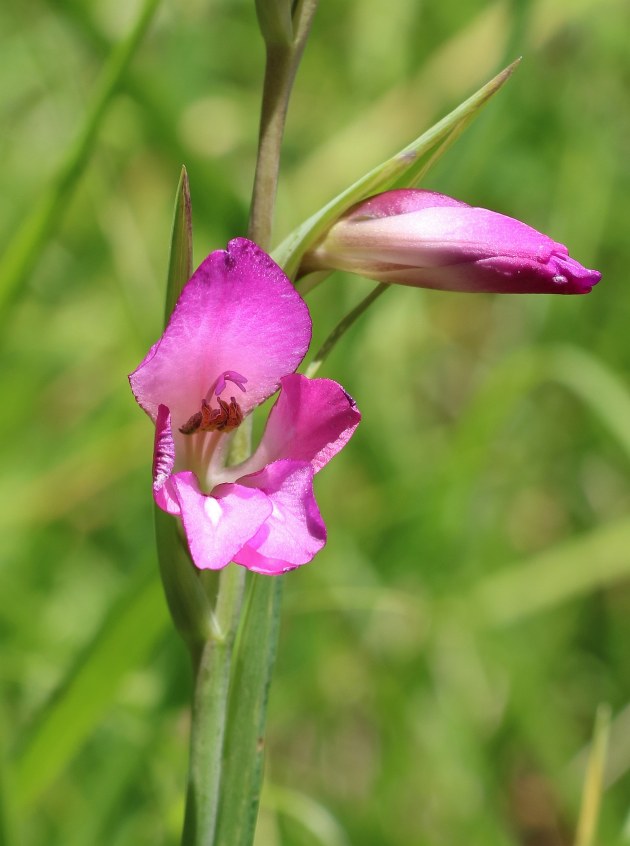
x: 225, y: 418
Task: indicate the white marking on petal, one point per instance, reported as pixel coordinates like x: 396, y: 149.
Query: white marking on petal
x: 213, y: 510
x: 277, y: 513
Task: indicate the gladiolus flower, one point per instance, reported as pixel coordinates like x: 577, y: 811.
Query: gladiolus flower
x: 237, y: 333
x: 425, y: 239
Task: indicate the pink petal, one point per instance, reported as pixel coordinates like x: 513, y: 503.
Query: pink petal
x: 218, y: 525
x: 295, y: 531
x: 399, y: 201
x: 164, y: 493
x: 239, y: 313
x: 415, y: 237
x: 311, y: 420
x: 447, y: 235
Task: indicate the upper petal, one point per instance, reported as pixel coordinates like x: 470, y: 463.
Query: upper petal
x: 294, y: 531
x: 311, y: 420
x: 239, y: 312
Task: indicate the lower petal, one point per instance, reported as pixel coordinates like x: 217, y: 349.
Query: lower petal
x: 217, y: 525
x: 294, y: 532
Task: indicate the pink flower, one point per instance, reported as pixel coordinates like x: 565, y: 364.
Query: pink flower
x: 432, y: 241
x: 238, y: 332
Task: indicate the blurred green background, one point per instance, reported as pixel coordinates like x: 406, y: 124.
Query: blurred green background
x: 442, y: 660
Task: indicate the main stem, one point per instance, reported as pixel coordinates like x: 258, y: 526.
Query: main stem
x: 229, y: 705
x: 212, y: 662
x: 281, y: 64
x: 279, y: 75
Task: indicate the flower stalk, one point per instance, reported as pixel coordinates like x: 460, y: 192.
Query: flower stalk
x: 281, y: 64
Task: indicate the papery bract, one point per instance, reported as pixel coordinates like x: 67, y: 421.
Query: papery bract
x: 237, y: 333
x: 421, y: 238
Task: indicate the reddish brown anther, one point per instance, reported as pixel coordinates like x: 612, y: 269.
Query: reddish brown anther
x: 223, y: 419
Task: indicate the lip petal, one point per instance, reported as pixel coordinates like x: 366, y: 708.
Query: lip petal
x: 217, y: 525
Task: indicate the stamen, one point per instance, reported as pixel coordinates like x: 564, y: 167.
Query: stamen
x: 192, y: 425
x: 225, y: 418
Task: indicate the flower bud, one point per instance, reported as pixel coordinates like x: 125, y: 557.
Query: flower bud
x: 429, y: 240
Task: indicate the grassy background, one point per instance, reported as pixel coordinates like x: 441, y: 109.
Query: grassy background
x: 441, y: 662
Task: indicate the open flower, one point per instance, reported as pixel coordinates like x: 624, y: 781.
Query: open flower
x: 421, y: 238
x: 237, y: 333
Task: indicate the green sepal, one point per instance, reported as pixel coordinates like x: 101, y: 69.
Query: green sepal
x: 407, y: 167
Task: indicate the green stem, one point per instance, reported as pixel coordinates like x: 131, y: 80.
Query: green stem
x: 282, y: 61
x: 244, y: 742
x: 279, y: 75
x: 209, y: 713
x: 225, y: 770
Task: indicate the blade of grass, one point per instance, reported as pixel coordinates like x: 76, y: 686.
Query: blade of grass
x: 592, y: 382
x: 24, y: 249
x: 125, y: 639
x: 309, y: 814
x: 594, y: 780
x: 7, y: 816
x: 577, y: 567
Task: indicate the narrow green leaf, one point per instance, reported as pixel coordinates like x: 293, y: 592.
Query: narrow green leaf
x: 187, y: 599
x: 180, y: 263
x: 24, y: 249
x: 244, y: 739
x: 386, y: 175
x: 124, y: 641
